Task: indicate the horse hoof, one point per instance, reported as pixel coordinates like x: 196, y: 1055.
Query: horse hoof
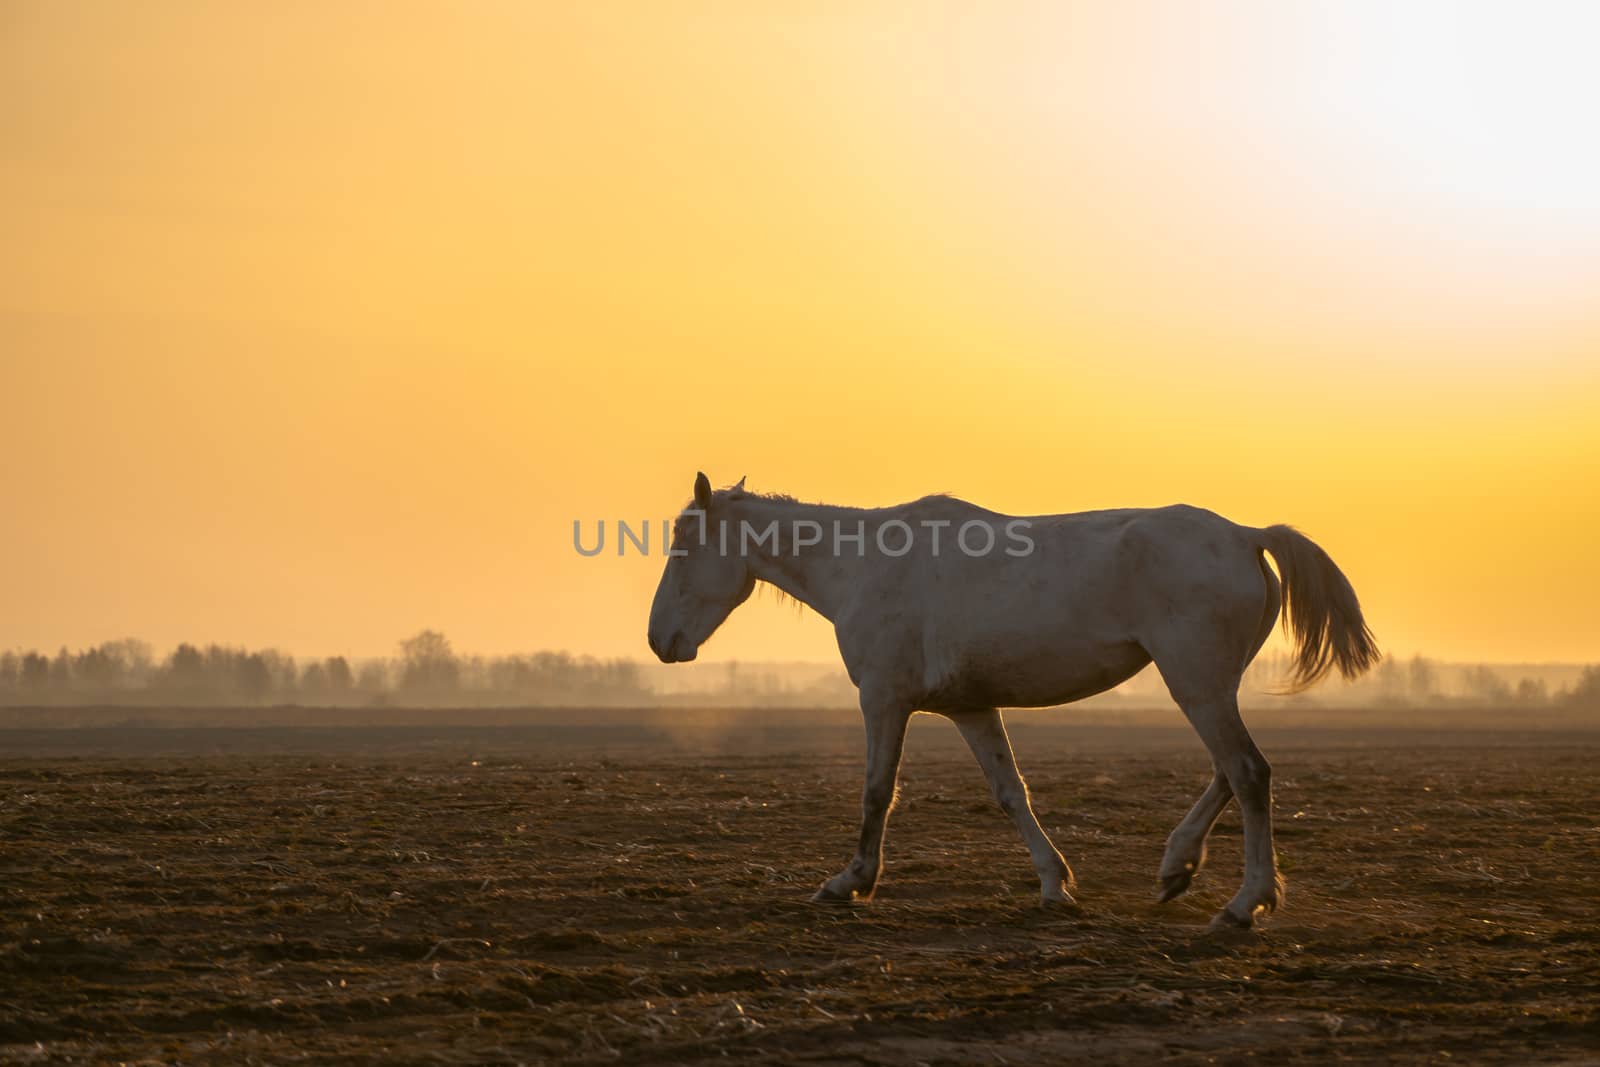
x: 834, y: 897
x: 1227, y: 923
x: 1174, y: 885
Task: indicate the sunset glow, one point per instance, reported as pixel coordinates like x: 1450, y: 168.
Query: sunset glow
x: 320, y: 329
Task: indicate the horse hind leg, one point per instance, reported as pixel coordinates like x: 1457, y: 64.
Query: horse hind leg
x: 1185, y: 854
x: 1186, y: 845
x: 1249, y: 776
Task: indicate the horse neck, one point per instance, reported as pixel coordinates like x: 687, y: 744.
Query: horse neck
x: 816, y: 575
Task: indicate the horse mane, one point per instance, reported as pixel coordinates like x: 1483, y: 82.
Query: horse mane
x: 739, y: 492
x: 762, y: 588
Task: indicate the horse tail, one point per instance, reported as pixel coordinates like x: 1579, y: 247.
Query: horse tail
x: 1320, y: 611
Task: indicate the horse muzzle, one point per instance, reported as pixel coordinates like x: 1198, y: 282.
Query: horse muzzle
x: 675, y: 649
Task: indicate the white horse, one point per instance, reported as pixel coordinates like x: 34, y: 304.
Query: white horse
x: 942, y: 606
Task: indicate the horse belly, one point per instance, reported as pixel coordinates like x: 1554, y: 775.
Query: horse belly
x: 1041, y: 678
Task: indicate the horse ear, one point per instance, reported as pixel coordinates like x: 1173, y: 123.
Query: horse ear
x: 702, y: 491
x: 738, y: 487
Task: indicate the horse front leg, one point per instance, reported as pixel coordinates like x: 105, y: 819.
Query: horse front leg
x: 886, y: 737
x: 985, y: 734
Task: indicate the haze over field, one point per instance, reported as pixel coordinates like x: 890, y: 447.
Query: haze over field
x: 323, y: 327
x: 428, y: 671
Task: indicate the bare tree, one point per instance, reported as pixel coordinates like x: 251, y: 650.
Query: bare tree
x: 253, y: 677
x: 1391, y: 681
x: 1532, y: 692
x: 429, y: 666
x: 1586, y: 693
x: 34, y: 672
x: 372, y: 680
x: 1485, y: 684
x: 1421, y: 679
x: 337, y: 671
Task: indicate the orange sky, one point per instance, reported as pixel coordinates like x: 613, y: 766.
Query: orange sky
x: 321, y: 322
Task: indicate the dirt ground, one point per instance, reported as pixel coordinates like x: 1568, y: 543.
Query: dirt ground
x: 449, y: 894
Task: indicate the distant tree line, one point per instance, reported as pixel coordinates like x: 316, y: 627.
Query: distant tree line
x: 1401, y: 682
x: 427, y: 671
x: 1423, y: 682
